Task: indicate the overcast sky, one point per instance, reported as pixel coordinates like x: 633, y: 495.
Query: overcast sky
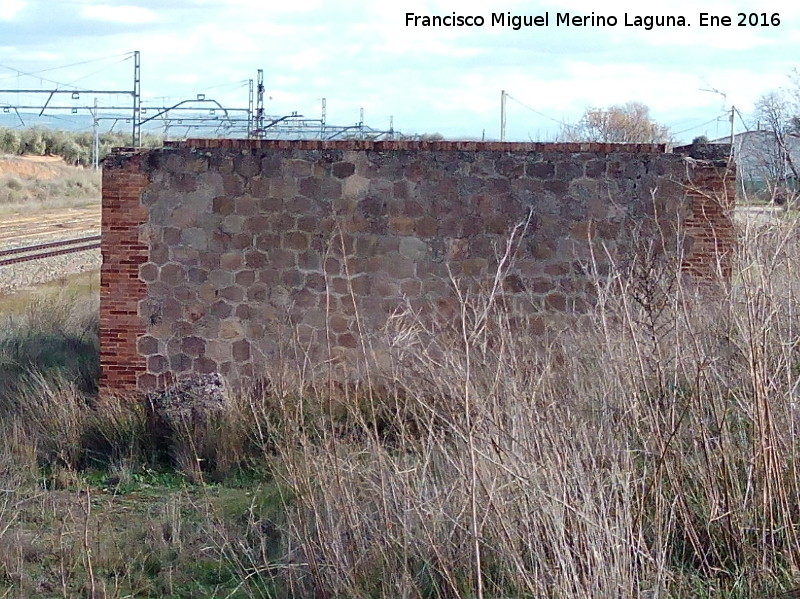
x: 359, y: 53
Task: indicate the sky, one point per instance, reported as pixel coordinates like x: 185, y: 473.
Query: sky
x: 360, y: 54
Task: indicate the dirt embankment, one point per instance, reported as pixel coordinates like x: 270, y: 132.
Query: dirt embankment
x: 31, y: 184
x: 35, y: 167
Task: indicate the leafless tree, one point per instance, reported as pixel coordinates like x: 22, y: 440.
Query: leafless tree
x: 777, y: 113
x: 622, y: 123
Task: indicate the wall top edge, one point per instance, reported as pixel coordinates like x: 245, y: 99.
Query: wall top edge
x: 389, y: 145
x: 717, y: 153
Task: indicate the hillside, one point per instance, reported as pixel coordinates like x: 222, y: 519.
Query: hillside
x: 29, y: 183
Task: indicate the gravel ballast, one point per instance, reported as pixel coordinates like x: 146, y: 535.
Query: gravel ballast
x: 23, y: 275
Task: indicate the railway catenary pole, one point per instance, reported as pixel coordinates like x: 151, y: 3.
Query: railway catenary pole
x: 250, y: 109
x: 136, y: 137
x: 503, y: 115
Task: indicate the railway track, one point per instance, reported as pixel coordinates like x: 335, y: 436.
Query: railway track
x: 46, y: 250
x: 49, y: 224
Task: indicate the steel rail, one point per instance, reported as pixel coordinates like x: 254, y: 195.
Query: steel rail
x: 51, y: 244
x: 67, y: 246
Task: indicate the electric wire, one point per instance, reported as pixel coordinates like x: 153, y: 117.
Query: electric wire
x: 536, y: 111
x: 35, y: 74
x: 715, y: 119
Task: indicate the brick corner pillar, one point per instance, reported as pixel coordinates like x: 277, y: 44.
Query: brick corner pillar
x: 123, y: 251
x: 711, y: 195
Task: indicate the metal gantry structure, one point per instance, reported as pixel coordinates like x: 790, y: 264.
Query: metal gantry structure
x: 75, y: 93
x: 200, y: 115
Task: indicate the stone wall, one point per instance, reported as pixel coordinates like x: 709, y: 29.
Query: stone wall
x: 215, y: 250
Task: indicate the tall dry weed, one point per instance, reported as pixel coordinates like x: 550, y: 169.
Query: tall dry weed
x: 647, y: 449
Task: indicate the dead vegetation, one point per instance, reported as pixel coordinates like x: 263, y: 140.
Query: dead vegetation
x: 30, y: 184
x: 648, y: 450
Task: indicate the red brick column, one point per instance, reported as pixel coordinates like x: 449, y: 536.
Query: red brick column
x: 711, y: 194
x: 120, y: 286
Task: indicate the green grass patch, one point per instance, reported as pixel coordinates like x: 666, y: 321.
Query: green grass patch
x: 84, y: 285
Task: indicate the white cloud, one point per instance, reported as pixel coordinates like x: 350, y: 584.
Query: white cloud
x: 118, y: 14
x: 359, y: 53
x: 10, y: 9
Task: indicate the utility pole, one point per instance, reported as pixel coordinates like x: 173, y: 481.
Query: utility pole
x: 96, y: 138
x: 733, y: 112
x: 502, y: 115
x: 137, y: 100
x: 324, y: 117
x: 259, y: 121
x: 250, y: 109
x: 733, y: 136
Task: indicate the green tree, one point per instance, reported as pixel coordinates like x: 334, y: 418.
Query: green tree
x: 9, y: 141
x: 33, y: 142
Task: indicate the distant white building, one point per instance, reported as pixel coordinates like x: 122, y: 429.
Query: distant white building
x: 764, y: 164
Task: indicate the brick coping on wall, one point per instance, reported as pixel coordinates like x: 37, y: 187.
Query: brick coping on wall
x: 434, y: 146
x: 717, y: 153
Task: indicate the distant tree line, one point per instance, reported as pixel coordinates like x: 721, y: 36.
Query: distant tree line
x: 75, y: 148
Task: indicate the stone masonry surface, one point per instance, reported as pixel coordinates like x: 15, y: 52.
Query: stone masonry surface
x: 214, y: 251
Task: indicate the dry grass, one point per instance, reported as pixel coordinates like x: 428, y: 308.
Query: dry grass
x: 645, y: 449
x: 63, y: 186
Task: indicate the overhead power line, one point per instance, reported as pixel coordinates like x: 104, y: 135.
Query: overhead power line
x: 36, y: 74
x: 715, y: 119
x: 532, y: 109
x: 252, y: 121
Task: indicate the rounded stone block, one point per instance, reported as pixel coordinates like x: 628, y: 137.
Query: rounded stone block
x: 233, y: 294
x: 346, y: 340
x: 245, y: 278
x: 171, y: 235
x: 342, y: 170
x: 398, y: 266
x: 219, y: 351
x: 146, y: 382
x: 220, y: 309
x: 255, y: 225
x: 427, y: 227
x: 231, y: 261
x: 241, y: 350
x: 255, y: 259
x: 220, y: 278
x: 296, y: 240
x: 355, y: 187
x: 148, y: 272
x: 280, y: 258
x: 268, y: 276
x: 232, y: 224
x: 241, y: 241
x: 179, y: 363
x: 293, y: 279
x: 147, y: 345
x: 247, y: 165
x: 339, y: 324
x: 244, y: 312
x: 231, y: 328
x: 223, y: 205
x: 193, y: 346
x: 413, y: 248
x: 157, y: 364
x: 297, y: 168
x: 246, y: 206
x: 195, y: 238
x: 204, y: 365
